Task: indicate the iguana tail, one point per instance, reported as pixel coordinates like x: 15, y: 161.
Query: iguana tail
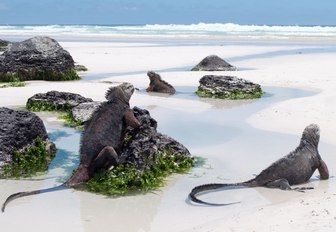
x: 207, y: 187
x: 24, y: 194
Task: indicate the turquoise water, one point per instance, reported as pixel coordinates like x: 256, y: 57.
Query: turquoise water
x: 208, y: 134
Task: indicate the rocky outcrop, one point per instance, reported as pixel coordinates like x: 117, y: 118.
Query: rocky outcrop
x: 19, y: 131
x: 54, y: 100
x: 214, y: 63
x: 38, y: 58
x: 228, y: 87
x: 141, y: 145
x: 158, y: 85
x: 83, y: 112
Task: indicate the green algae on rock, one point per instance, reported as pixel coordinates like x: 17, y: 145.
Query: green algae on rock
x: 25, y: 147
x: 126, y: 178
x: 29, y: 161
x: 228, y: 87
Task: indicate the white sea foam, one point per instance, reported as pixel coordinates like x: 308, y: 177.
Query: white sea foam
x: 172, y: 30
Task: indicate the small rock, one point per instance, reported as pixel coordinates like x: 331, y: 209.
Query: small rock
x: 228, y: 87
x: 54, y: 100
x: 19, y: 130
x: 214, y: 63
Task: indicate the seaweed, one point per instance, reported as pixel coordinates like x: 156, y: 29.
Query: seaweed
x: 234, y: 95
x: 28, y: 162
x: 13, y: 84
x: 126, y: 179
x: 36, y: 74
x: 70, y: 122
x: 36, y: 106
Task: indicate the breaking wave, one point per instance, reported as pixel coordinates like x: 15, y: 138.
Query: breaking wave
x: 171, y: 30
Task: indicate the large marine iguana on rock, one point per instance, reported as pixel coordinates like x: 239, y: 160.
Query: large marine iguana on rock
x: 101, y: 140
x: 295, y: 168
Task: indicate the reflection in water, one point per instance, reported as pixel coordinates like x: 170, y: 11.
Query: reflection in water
x: 67, y: 157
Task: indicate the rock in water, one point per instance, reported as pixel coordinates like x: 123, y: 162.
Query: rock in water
x: 214, y: 63
x: 158, y: 85
x: 142, y: 144
x: 38, y: 58
x: 54, y: 100
x: 19, y: 131
x: 228, y: 87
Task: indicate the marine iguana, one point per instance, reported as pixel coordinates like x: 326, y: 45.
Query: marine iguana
x: 158, y: 85
x: 101, y: 140
x: 295, y: 168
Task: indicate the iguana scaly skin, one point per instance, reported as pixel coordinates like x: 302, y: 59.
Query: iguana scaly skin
x: 101, y: 140
x: 295, y: 168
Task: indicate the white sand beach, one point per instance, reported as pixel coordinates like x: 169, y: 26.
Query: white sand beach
x: 238, y: 139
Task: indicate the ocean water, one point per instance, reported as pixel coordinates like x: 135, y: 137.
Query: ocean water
x: 172, y: 30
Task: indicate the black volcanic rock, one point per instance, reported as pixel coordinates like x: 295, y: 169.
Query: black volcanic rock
x: 228, y: 87
x: 142, y: 144
x: 18, y: 131
x: 54, y: 100
x: 214, y: 63
x: 38, y: 58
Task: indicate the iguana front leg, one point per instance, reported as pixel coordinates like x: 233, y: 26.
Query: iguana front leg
x: 131, y: 120
x: 323, y: 170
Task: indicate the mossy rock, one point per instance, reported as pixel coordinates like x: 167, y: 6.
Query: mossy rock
x: 228, y: 87
x: 30, y: 161
x: 127, y: 179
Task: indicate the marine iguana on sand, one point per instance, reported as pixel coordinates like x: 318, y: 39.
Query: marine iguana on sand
x: 101, y: 140
x: 158, y: 85
x: 295, y: 168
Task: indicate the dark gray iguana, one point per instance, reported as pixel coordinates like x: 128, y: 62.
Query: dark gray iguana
x: 295, y: 168
x: 101, y: 139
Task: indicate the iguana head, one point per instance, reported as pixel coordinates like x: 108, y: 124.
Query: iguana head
x: 311, y: 134
x: 153, y: 76
x: 122, y: 92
